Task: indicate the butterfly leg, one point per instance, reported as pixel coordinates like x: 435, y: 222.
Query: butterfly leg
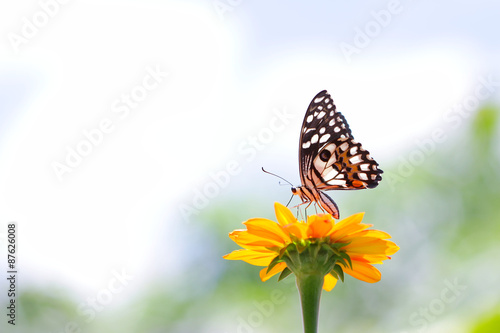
x: 302, y: 203
x: 316, y: 209
x: 308, y: 205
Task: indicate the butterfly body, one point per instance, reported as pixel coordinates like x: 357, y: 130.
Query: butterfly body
x: 310, y: 195
x: 329, y: 157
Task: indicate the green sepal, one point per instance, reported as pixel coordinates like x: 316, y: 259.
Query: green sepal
x: 284, y: 274
x: 331, y: 261
x: 282, y: 252
x: 346, y: 257
x: 290, y: 250
x: 336, y: 246
x: 295, y: 239
x: 273, y: 263
x: 327, y: 247
x: 338, y: 272
x: 301, y: 246
x: 274, y: 248
x: 314, y: 250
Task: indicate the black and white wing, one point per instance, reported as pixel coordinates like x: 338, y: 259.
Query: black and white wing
x: 329, y: 158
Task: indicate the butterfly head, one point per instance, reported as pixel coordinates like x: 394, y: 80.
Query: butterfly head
x: 301, y: 191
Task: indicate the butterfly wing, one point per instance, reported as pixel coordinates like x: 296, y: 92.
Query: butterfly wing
x: 329, y: 158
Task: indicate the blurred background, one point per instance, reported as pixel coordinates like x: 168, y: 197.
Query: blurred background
x: 132, y: 136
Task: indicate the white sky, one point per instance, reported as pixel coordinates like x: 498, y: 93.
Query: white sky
x: 225, y: 78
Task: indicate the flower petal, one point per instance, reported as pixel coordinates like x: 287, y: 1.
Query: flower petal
x: 297, y: 229
x: 264, y: 275
x: 257, y: 258
x: 363, y: 271
x: 348, y: 226
x: 370, y: 258
x: 319, y: 225
x: 245, y: 239
x: 391, y: 248
x: 370, y: 245
x: 330, y: 282
x: 283, y: 214
x: 374, y: 233
x: 267, y: 229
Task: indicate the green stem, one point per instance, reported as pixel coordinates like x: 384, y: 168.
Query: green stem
x: 310, y: 286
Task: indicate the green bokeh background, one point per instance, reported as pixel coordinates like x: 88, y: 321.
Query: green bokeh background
x: 438, y: 201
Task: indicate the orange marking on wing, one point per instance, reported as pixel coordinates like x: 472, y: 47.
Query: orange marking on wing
x: 358, y: 184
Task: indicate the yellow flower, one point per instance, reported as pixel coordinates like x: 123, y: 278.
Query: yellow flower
x: 319, y: 245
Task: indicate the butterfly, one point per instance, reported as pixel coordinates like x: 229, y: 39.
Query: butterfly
x: 329, y: 158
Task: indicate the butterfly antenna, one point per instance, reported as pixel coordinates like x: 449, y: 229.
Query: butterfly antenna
x: 278, y: 177
x: 289, y: 200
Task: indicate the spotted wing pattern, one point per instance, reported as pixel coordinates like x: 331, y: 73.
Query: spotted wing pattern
x: 329, y: 157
